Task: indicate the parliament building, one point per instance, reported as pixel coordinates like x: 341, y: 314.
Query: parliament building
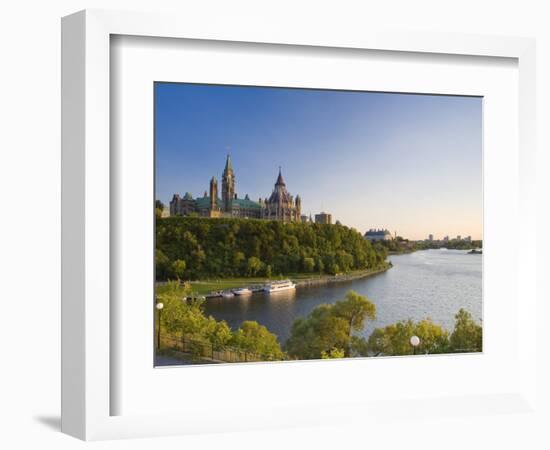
x: 279, y: 206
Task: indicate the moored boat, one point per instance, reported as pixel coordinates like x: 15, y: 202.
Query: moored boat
x: 227, y: 294
x: 242, y: 291
x: 276, y: 286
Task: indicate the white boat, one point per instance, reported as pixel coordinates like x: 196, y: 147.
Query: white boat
x: 242, y: 291
x: 227, y: 294
x: 277, y: 286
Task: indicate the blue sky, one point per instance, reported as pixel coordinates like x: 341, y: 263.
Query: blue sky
x: 409, y: 163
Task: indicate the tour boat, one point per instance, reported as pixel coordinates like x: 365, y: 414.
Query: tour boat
x: 277, y: 286
x: 242, y: 291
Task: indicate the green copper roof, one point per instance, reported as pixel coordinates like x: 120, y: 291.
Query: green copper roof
x: 204, y: 202
x: 244, y: 203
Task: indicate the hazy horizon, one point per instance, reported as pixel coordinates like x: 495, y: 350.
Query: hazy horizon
x: 409, y: 163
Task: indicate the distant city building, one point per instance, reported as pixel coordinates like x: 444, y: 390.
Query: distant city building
x: 430, y: 237
x: 165, y: 211
x: 323, y: 217
x: 279, y: 206
x: 468, y: 238
x: 374, y: 235
x: 304, y: 218
x: 459, y: 237
x: 446, y: 239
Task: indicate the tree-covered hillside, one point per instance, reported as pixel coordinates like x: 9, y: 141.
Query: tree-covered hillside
x: 194, y: 248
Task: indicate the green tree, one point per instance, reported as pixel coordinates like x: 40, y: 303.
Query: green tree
x: 173, y: 315
x: 178, y: 268
x: 359, y: 346
x: 223, y: 247
x: 467, y: 335
x: 186, y: 319
x: 330, y: 327
x: 217, y: 333
x: 159, y: 208
x: 309, y: 264
x: 344, y: 261
x: 254, y: 265
x: 320, y: 266
x: 334, y: 353
x: 320, y: 332
x: 238, y: 259
x: 394, y: 339
x: 334, y: 269
x: 355, y: 310
x: 254, y: 338
x: 162, y: 265
x: 433, y: 337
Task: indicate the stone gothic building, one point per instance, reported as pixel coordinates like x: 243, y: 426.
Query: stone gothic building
x: 279, y: 206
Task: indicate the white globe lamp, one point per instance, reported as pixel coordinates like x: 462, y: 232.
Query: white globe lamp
x: 415, y: 342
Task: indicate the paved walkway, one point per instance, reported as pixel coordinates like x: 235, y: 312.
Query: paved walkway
x: 169, y: 361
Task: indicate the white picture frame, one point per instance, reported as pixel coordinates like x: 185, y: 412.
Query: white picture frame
x: 87, y: 384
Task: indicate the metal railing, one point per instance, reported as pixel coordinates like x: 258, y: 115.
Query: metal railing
x: 198, y: 349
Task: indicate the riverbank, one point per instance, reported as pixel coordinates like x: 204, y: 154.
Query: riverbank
x: 402, y: 252
x: 204, y: 287
x: 357, y: 275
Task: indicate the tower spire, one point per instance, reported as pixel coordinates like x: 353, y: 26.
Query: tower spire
x: 280, y: 181
x: 228, y: 184
x: 228, y: 164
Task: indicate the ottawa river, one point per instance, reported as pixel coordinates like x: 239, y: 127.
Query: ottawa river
x: 427, y: 283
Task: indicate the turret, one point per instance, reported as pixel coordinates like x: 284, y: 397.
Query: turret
x: 213, y: 193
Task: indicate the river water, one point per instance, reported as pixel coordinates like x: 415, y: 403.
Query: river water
x: 428, y: 283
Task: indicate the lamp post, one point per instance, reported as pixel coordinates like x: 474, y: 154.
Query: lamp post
x: 159, y: 307
x: 415, y: 341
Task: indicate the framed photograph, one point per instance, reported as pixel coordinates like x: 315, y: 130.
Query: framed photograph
x: 251, y: 277
x: 253, y: 217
